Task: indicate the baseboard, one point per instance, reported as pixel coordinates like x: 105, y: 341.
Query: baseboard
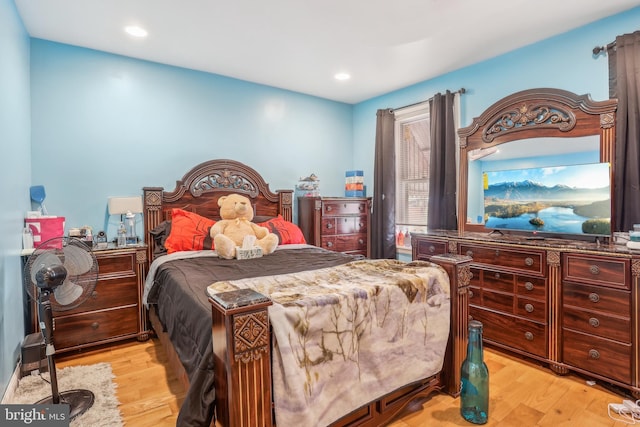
x: 12, y: 386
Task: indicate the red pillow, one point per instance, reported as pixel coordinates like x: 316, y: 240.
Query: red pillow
x: 189, y: 232
x: 287, y: 232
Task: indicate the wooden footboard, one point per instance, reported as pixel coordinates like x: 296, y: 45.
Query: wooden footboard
x: 242, y: 349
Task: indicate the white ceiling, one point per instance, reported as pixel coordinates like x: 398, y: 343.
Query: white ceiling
x: 300, y: 44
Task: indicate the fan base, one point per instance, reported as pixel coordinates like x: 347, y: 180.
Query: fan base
x: 78, y: 400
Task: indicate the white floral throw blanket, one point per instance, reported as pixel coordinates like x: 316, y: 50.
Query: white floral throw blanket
x: 347, y: 335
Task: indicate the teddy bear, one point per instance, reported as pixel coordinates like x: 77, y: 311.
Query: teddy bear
x: 236, y: 214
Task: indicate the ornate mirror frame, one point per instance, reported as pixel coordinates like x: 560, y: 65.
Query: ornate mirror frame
x: 535, y: 113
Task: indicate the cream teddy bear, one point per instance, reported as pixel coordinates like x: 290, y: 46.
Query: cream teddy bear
x: 236, y: 213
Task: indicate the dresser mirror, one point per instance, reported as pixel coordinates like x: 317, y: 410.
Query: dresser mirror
x: 539, y: 163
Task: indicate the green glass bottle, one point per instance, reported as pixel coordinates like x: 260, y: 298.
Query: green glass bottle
x: 474, y: 396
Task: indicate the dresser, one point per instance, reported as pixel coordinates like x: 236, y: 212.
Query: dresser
x: 113, y: 312
x: 571, y: 304
x: 339, y: 224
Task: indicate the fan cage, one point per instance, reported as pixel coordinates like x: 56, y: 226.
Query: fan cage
x: 79, y: 262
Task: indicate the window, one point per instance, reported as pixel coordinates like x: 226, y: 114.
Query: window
x: 413, y: 147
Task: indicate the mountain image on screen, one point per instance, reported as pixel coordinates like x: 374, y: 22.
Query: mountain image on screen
x: 572, y: 199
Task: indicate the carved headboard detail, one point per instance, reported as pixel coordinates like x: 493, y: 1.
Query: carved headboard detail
x: 199, y: 190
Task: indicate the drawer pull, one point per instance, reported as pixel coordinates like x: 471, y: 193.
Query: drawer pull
x: 361, y: 208
x: 528, y: 261
x: 361, y: 241
x: 470, y: 294
x: 593, y: 297
x: 329, y: 208
x: 470, y: 253
x: 361, y: 226
x: 528, y: 308
x: 528, y: 336
x: 329, y: 226
x: 497, y: 275
x: 329, y: 244
x: 432, y: 249
x: 94, y: 294
x: 95, y: 325
x: 528, y: 286
x: 594, y: 354
x: 497, y: 253
x: 594, y: 322
x: 595, y: 270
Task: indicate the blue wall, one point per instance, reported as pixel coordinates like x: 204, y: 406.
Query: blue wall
x: 105, y: 125
x: 15, y: 175
x: 565, y: 61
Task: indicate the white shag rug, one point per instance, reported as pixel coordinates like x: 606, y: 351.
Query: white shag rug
x: 97, y: 378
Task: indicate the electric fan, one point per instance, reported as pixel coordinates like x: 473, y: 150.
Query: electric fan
x: 60, y: 274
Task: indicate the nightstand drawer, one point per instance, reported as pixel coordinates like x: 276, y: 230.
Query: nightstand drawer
x: 108, y: 293
x: 85, y: 328
x: 118, y: 263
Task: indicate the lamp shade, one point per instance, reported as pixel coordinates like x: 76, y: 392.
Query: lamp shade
x: 122, y: 205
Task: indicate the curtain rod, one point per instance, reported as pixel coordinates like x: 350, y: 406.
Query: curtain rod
x: 598, y: 49
x: 460, y: 91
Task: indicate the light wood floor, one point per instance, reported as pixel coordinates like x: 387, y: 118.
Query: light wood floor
x: 522, y: 393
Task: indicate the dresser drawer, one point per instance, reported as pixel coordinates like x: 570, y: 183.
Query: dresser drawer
x: 85, y: 328
x: 531, y: 309
x: 348, y: 243
x: 531, y: 287
x: 497, y: 301
x: 513, y: 332
x: 525, y: 261
x: 343, y: 225
x: 596, y: 270
x: 597, y: 298
x: 426, y: 248
x: 596, y: 323
x: 344, y: 207
x: 497, y: 280
x: 598, y: 355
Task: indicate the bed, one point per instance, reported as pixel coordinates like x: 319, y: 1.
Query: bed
x: 215, y: 320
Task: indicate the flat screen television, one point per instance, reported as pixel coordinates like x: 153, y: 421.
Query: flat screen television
x: 572, y: 200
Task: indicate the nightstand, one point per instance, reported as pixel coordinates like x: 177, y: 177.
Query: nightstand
x: 113, y: 312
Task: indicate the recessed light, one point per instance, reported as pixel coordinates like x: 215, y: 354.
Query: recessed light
x: 342, y: 76
x: 136, y: 31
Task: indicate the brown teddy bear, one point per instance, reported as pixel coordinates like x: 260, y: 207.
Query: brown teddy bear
x: 236, y: 213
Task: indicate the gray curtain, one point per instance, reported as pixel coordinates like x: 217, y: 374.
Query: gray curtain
x: 625, y: 60
x: 383, y: 217
x: 443, y: 172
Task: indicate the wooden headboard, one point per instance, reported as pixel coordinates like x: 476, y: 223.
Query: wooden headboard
x: 199, y: 190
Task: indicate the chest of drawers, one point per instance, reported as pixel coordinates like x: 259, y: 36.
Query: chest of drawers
x: 339, y: 224
x: 596, y: 321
